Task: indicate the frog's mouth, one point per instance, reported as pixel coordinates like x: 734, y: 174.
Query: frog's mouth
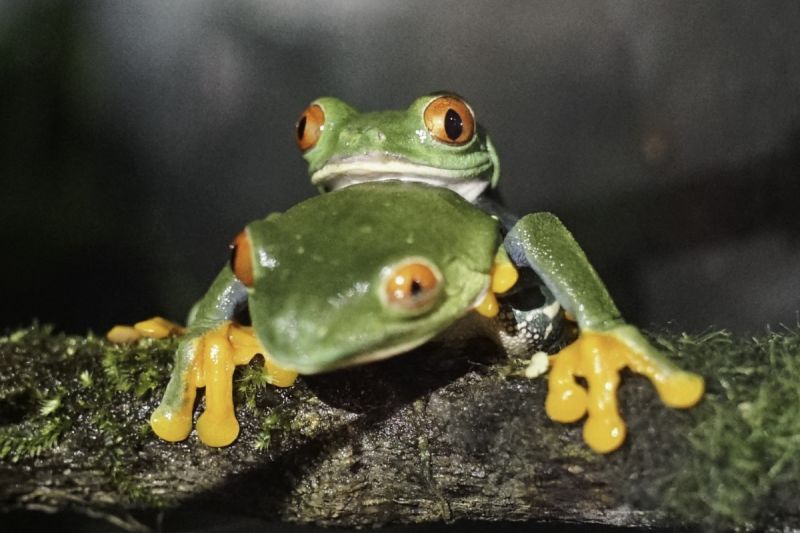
x: 379, y: 355
x: 337, y: 174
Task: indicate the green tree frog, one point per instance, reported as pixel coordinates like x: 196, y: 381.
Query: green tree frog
x: 435, y: 141
x: 372, y: 270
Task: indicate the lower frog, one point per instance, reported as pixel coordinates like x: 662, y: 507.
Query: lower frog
x: 373, y: 270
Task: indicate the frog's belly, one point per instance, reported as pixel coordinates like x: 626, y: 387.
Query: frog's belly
x: 521, y: 331
x: 525, y: 332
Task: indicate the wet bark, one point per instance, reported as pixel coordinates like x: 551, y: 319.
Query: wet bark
x: 431, y: 436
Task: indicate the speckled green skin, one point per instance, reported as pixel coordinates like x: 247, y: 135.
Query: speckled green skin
x: 318, y: 299
x: 542, y: 241
x: 398, y: 136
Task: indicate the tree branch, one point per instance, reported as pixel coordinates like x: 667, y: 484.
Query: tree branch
x: 431, y: 436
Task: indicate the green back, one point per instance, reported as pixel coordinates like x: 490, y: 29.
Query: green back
x: 316, y: 298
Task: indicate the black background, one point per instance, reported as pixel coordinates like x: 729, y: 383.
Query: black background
x: 136, y: 138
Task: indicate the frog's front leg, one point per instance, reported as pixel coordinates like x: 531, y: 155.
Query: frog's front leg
x: 172, y: 419
x: 205, y: 360
x: 605, y: 345
x: 223, y: 349
x: 206, y: 357
x: 209, y: 361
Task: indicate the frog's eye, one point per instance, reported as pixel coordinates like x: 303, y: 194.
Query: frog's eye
x: 450, y: 120
x: 413, y: 286
x: 241, y: 259
x: 309, y: 127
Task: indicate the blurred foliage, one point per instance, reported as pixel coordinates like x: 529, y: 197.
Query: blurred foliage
x: 744, y: 465
x: 136, y: 138
x: 733, y: 461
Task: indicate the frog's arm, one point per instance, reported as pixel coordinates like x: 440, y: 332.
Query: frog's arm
x: 172, y: 420
x: 542, y: 242
x: 206, y: 357
x: 221, y: 302
x: 605, y: 345
x: 491, y: 202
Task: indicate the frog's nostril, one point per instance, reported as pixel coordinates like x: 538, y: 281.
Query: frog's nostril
x: 366, y: 135
x: 375, y: 135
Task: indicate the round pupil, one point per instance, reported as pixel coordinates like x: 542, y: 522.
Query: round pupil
x: 453, y: 125
x: 301, y: 127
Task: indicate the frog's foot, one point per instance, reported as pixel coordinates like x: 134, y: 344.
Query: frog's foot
x: 172, y: 419
x: 599, y: 357
x: 217, y: 426
x: 502, y: 277
x: 209, y: 362
x: 247, y: 346
x: 173, y: 425
x: 154, y: 328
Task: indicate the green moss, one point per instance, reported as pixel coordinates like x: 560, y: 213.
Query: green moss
x: 31, y: 438
x: 269, y: 424
x: 733, y: 461
x: 54, y: 386
x: 251, y: 381
x: 740, y: 463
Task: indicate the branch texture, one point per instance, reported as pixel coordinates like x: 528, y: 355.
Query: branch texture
x: 431, y: 436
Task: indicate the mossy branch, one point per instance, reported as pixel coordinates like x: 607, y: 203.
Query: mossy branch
x: 430, y: 436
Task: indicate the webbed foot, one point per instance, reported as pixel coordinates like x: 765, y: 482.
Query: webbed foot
x: 599, y: 357
x: 209, y: 361
x: 154, y: 328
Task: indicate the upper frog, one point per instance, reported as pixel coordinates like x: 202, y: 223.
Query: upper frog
x: 436, y: 140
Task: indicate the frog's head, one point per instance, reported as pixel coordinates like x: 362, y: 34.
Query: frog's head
x: 364, y: 273
x: 435, y: 141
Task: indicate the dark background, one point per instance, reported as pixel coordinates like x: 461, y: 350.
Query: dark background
x: 136, y: 138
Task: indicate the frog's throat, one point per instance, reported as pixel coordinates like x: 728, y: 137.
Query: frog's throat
x: 468, y: 182
x: 376, y: 355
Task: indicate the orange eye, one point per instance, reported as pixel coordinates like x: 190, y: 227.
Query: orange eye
x: 309, y: 127
x: 450, y: 120
x: 242, y: 259
x: 413, y: 286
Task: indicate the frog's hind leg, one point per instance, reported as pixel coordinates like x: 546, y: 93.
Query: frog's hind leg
x: 676, y: 387
x: 152, y: 328
x: 599, y: 357
x: 596, y: 359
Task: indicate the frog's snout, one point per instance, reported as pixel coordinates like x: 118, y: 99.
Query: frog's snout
x: 362, y: 135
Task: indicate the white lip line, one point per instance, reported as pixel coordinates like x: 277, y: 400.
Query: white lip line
x: 365, y: 167
x: 468, y: 188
